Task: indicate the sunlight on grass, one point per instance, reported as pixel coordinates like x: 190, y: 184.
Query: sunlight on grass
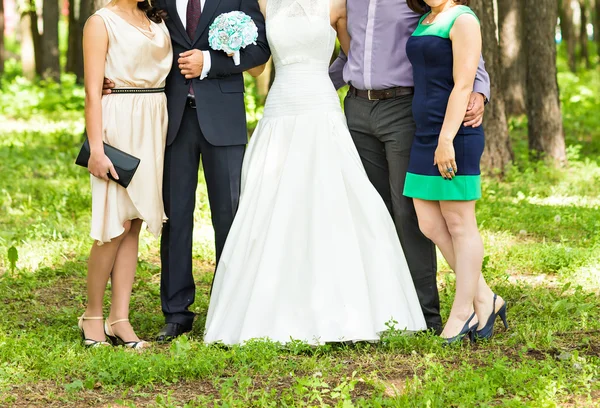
x: 540, y: 229
x: 566, y: 201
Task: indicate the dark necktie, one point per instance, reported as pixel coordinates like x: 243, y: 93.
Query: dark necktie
x: 192, y: 18
x: 191, y: 23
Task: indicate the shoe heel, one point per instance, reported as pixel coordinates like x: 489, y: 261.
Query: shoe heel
x: 502, y: 314
x: 472, y: 336
x: 113, y: 340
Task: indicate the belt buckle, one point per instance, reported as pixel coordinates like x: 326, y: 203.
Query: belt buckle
x: 369, y: 96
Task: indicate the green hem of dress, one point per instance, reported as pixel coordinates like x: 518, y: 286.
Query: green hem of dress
x: 436, y: 188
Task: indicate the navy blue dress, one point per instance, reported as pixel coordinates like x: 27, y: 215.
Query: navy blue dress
x: 430, y: 52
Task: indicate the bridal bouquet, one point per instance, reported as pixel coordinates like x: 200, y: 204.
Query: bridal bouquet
x: 230, y: 32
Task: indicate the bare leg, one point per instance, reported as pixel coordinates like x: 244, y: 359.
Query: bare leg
x: 122, y: 278
x: 100, y: 265
x: 433, y: 226
x: 468, y: 251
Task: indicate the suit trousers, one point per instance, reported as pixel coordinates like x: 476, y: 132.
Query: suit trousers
x: 383, y: 132
x: 222, y: 171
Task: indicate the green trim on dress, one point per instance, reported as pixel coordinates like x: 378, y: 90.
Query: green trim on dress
x: 443, y: 24
x: 436, y: 188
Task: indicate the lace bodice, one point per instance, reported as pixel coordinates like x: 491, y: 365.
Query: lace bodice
x: 299, y: 31
x: 301, y: 40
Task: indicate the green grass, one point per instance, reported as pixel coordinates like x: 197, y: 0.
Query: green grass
x: 540, y: 227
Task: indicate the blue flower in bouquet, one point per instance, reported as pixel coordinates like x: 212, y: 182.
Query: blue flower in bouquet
x: 230, y: 32
x: 235, y: 41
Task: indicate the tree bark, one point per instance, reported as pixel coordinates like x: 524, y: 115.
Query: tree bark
x: 513, y: 58
x: 567, y: 30
x: 86, y: 9
x: 49, y: 40
x: 597, y: 26
x: 29, y: 42
x: 2, y: 52
x: 35, y: 36
x: 583, y: 36
x: 73, y: 37
x: 498, y: 152
x: 546, y: 136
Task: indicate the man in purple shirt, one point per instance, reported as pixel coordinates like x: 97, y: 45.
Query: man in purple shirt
x: 379, y: 113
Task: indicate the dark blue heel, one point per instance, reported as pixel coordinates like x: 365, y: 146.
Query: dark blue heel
x: 488, y: 330
x: 467, y: 330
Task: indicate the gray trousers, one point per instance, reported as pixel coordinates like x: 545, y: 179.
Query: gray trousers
x: 383, y: 132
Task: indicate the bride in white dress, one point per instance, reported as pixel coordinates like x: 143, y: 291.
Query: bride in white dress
x: 313, y: 254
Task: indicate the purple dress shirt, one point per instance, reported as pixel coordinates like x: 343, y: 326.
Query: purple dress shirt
x: 377, y: 59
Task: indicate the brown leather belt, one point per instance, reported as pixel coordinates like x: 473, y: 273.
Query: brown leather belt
x: 383, y: 93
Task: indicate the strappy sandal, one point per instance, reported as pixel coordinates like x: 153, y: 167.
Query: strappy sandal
x: 116, y: 340
x: 89, y: 343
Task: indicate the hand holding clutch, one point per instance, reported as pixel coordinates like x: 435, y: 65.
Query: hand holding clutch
x: 122, y: 165
x: 100, y: 166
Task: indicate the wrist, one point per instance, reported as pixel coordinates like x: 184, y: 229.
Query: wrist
x: 485, y: 99
x: 445, y: 139
x: 96, y: 149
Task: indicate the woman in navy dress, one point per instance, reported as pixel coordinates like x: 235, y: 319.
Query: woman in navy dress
x: 443, y: 175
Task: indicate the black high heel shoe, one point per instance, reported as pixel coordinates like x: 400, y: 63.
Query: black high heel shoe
x: 89, y: 343
x: 116, y: 340
x: 488, y: 330
x: 467, y: 330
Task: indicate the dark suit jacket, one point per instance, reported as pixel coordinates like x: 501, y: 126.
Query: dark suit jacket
x: 219, y: 97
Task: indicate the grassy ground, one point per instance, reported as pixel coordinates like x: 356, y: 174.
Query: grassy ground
x: 540, y: 228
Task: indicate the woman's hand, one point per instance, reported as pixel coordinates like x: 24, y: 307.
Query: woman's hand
x: 445, y: 160
x: 100, y: 165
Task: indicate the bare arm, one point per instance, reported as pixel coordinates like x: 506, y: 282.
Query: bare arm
x: 340, y: 23
x: 466, y: 48
x: 256, y: 71
x: 95, y: 48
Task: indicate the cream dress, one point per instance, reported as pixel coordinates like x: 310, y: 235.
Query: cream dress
x: 134, y: 123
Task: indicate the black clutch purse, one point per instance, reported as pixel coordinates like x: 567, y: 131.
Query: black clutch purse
x: 124, y: 163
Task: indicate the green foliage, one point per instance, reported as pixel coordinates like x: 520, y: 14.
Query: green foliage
x: 540, y: 228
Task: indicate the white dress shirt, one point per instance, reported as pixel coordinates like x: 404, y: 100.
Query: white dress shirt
x: 182, y: 11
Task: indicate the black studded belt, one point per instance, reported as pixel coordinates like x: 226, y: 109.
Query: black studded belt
x: 136, y: 90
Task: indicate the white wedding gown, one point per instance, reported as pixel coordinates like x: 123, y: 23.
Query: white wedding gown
x: 313, y: 254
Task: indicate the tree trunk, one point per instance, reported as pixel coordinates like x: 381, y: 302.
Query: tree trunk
x: 567, y: 30
x: 513, y: 58
x: 86, y: 9
x: 583, y: 36
x: 546, y: 136
x: 597, y: 26
x: 2, y: 57
x: 498, y: 152
x: 35, y: 36
x: 29, y: 43
x: 49, y: 40
x: 73, y: 37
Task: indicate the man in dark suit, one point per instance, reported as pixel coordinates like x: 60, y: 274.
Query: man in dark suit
x: 207, y: 118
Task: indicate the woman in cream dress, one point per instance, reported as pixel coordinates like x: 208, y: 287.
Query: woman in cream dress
x: 128, y: 42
